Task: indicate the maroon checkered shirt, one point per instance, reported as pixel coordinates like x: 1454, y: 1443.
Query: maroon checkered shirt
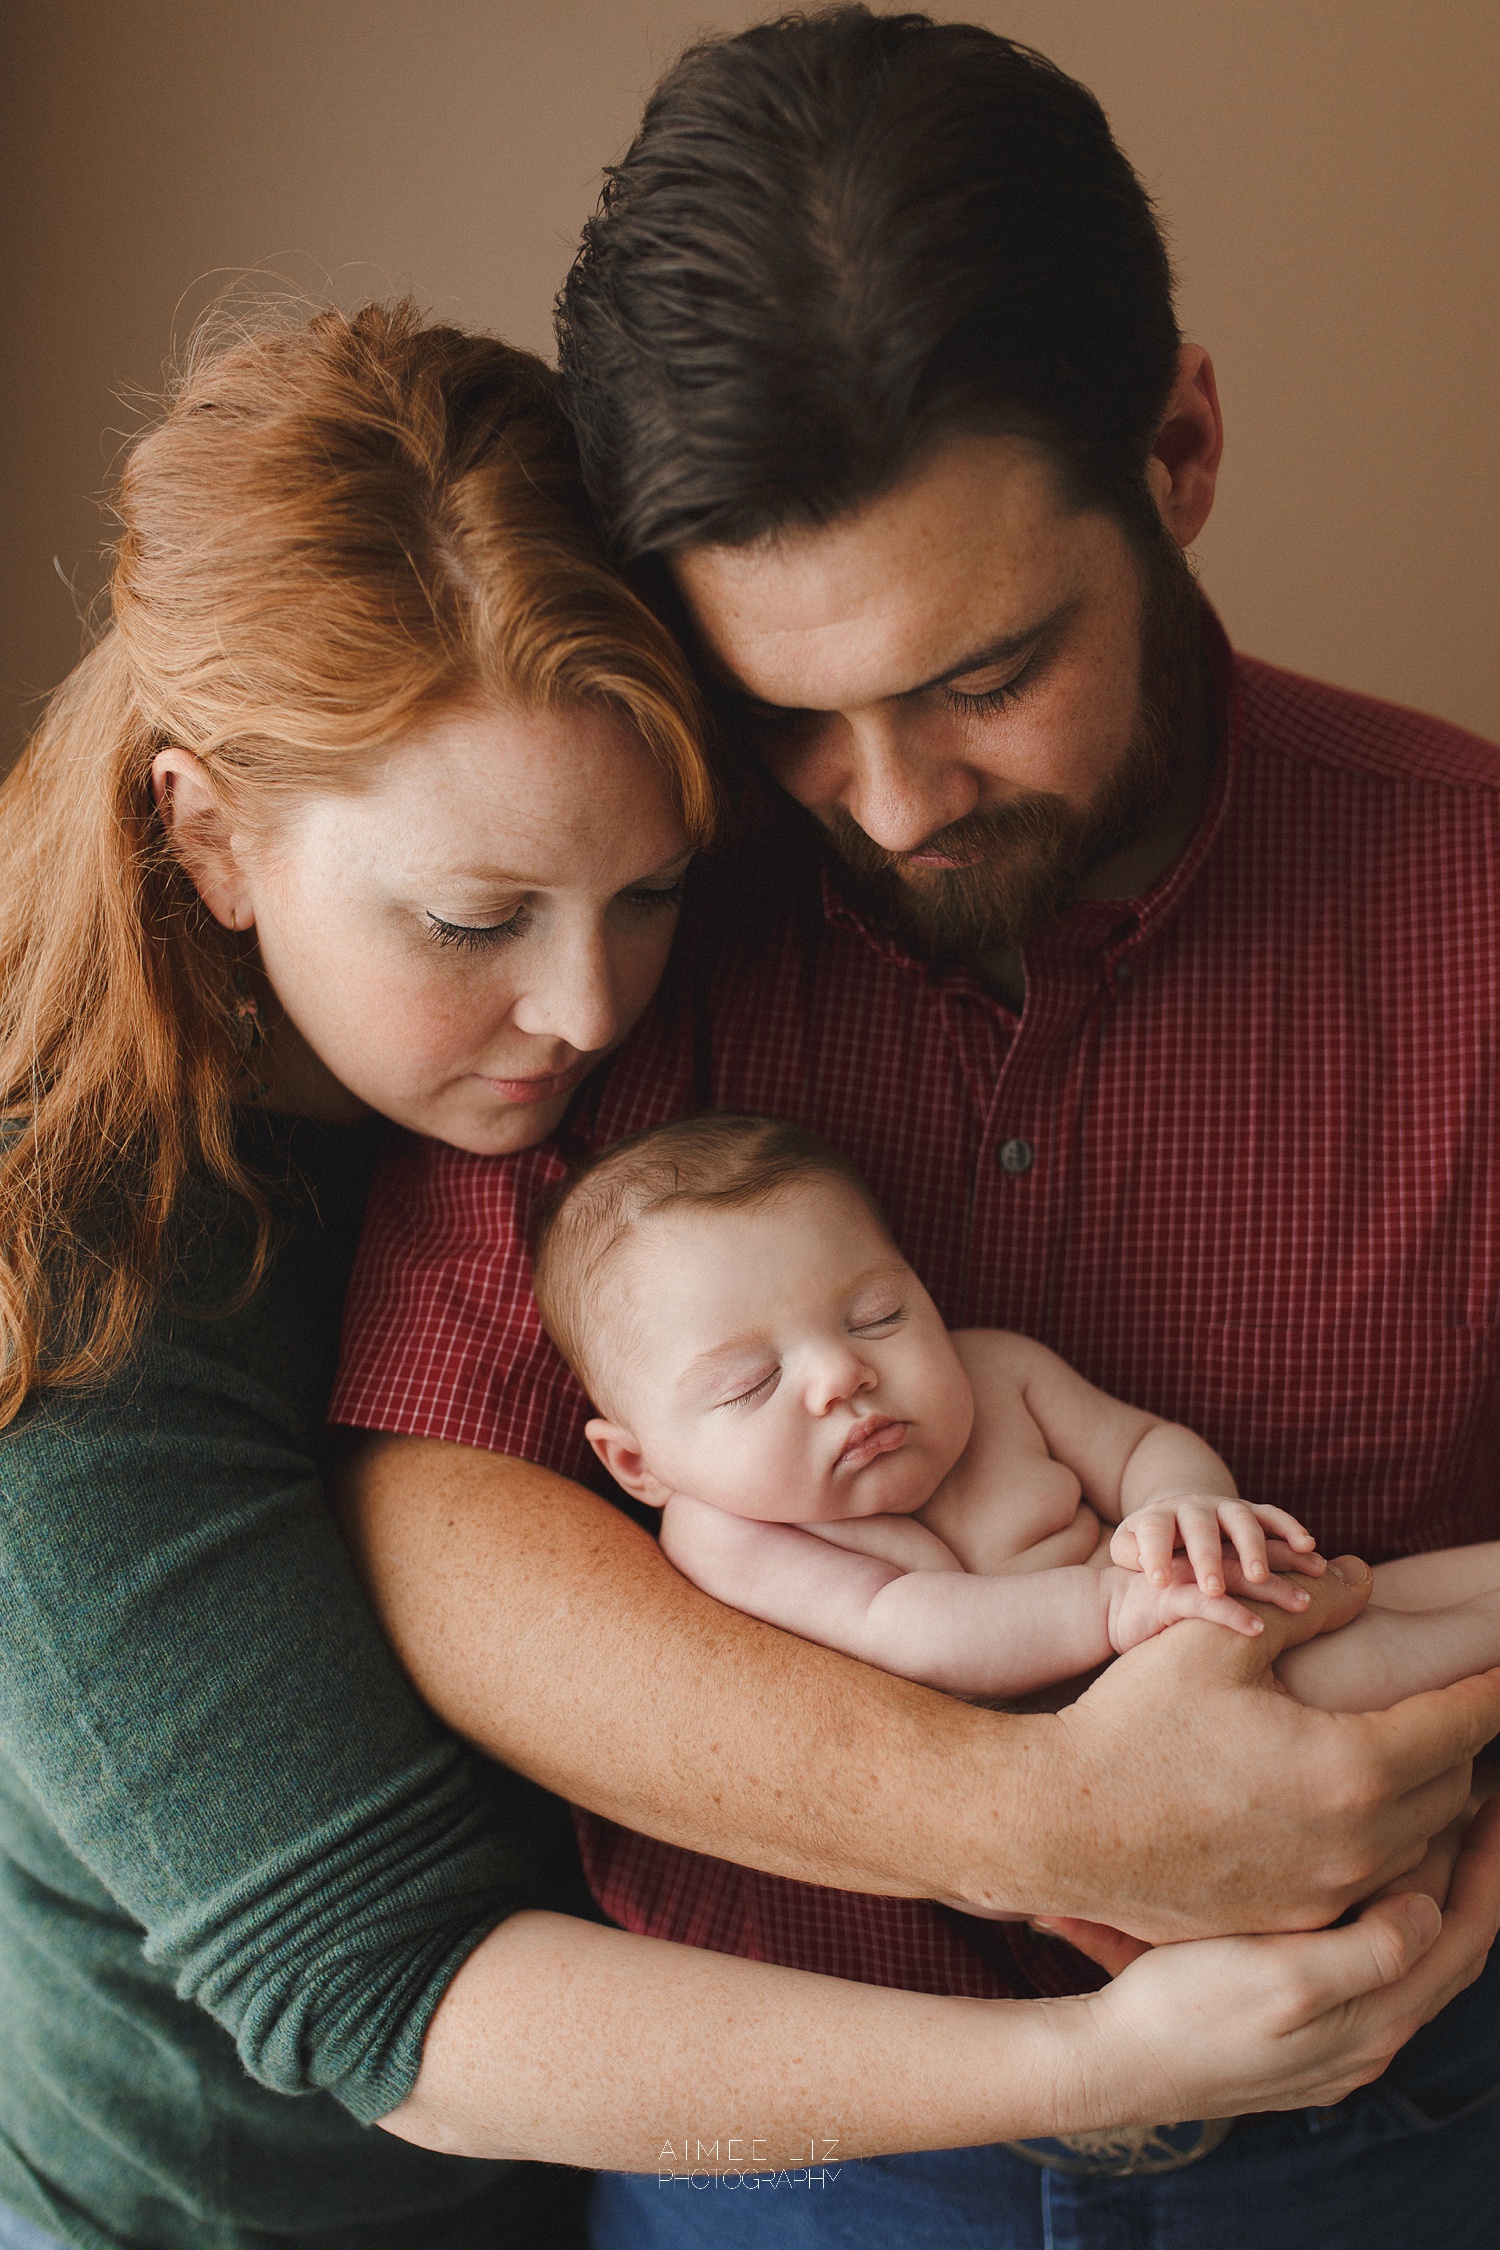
x: 1237, y: 1161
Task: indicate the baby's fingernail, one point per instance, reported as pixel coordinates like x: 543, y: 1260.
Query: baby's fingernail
x: 1258, y: 1570
x: 1424, y: 1916
x: 1257, y: 1625
x: 1213, y: 1585
x: 1158, y: 1578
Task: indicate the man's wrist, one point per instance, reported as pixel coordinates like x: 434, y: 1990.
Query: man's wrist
x: 1010, y: 1842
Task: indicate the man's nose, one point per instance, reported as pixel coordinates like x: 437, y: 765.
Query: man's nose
x: 903, y: 783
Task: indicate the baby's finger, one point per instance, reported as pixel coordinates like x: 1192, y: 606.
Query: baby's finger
x: 1281, y: 1593
x: 1124, y: 1548
x: 1237, y: 1522
x: 1282, y: 1557
x: 1216, y: 1609
x: 1289, y: 1528
x: 1156, y: 1539
x: 1204, y: 1545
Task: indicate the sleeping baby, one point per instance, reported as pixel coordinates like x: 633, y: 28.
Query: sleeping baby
x: 961, y: 1508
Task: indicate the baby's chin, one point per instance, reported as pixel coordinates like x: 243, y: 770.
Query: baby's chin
x: 889, y: 1487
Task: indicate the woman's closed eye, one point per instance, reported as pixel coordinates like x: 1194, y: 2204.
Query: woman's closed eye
x: 640, y: 898
x: 475, y: 935
x: 654, y: 898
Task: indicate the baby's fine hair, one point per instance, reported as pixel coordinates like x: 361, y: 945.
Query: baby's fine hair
x: 721, y: 1160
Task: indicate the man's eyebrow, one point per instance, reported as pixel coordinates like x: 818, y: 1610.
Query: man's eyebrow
x: 997, y: 652
x: 994, y: 652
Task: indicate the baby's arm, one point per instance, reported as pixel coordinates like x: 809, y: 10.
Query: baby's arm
x: 1400, y: 1646
x: 993, y: 1636
x: 1163, y: 1485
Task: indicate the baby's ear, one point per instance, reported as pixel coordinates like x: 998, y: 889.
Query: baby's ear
x: 621, y: 1455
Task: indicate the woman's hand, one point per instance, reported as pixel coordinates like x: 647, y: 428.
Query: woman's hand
x: 1229, y: 2025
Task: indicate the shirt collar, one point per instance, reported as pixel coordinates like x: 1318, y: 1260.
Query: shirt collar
x: 1112, y: 926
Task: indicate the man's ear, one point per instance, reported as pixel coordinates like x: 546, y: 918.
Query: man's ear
x: 1184, y: 465
x: 199, y: 836
x: 621, y: 1455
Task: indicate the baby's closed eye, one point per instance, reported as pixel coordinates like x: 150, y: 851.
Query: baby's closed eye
x: 760, y: 1387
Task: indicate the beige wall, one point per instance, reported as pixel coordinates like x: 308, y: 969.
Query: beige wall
x: 1326, y: 169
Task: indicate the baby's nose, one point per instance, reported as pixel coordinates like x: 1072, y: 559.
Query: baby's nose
x: 842, y: 1375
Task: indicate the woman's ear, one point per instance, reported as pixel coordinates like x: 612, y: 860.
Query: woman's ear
x: 621, y: 1455
x: 199, y: 836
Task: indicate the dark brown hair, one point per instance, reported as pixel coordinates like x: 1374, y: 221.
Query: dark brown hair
x: 838, y: 238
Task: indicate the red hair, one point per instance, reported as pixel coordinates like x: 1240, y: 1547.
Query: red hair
x: 332, y: 529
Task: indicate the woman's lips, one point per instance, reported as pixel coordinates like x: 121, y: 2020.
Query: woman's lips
x: 542, y: 1089
x: 868, y: 1439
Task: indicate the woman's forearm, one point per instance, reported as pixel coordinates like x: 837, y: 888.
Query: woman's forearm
x: 561, y: 2040
x: 568, y: 2043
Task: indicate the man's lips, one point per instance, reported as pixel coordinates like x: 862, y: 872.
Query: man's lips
x: 868, y: 1439
x: 943, y: 860
x: 540, y: 1089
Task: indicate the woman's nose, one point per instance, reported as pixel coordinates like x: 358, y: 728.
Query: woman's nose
x: 571, y: 997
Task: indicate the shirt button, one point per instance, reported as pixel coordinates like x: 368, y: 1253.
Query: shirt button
x: 1017, y: 1157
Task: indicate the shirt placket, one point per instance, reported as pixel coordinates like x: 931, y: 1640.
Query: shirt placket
x: 1030, y: 1147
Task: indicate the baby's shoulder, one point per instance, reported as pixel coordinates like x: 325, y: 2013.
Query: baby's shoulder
x: 997, y: 1359
x: 1004, y: 1346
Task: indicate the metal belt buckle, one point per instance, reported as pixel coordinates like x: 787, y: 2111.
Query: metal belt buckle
x: 1124, y: 2151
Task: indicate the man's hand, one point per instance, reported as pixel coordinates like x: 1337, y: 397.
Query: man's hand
x: 1188, y: 1795
x: 1338, y: 2005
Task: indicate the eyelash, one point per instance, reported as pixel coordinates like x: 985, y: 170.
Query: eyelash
x: 754, y: 1391
x: 474, y: 937
x: 861, y: 1328
x: 993, y: 699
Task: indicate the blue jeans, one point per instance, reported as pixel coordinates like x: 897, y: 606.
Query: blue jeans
x: 17, y: 2233
x: 1410, y: 2163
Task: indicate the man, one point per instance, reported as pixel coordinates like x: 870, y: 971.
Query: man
x: 1150, y: 989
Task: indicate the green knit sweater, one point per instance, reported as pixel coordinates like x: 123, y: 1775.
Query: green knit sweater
x: 239, y: 1859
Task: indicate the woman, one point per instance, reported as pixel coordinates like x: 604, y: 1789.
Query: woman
x: 374, y: 800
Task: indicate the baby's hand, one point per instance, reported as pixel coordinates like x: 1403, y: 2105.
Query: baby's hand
x: 1150, y: 1536
x: 1139, y: 1608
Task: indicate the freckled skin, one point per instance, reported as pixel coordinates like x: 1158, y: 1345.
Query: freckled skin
x: 558, y: 819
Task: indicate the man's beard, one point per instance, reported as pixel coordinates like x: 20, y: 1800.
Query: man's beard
x: 1031, y: 855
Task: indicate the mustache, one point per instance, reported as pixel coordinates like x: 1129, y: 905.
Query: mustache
x: 990, y: 832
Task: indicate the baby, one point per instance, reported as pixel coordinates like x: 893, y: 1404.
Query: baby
x: 963, y: 1509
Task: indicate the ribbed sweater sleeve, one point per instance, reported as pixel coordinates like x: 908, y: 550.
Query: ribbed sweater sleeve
x: 195, y: 1691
